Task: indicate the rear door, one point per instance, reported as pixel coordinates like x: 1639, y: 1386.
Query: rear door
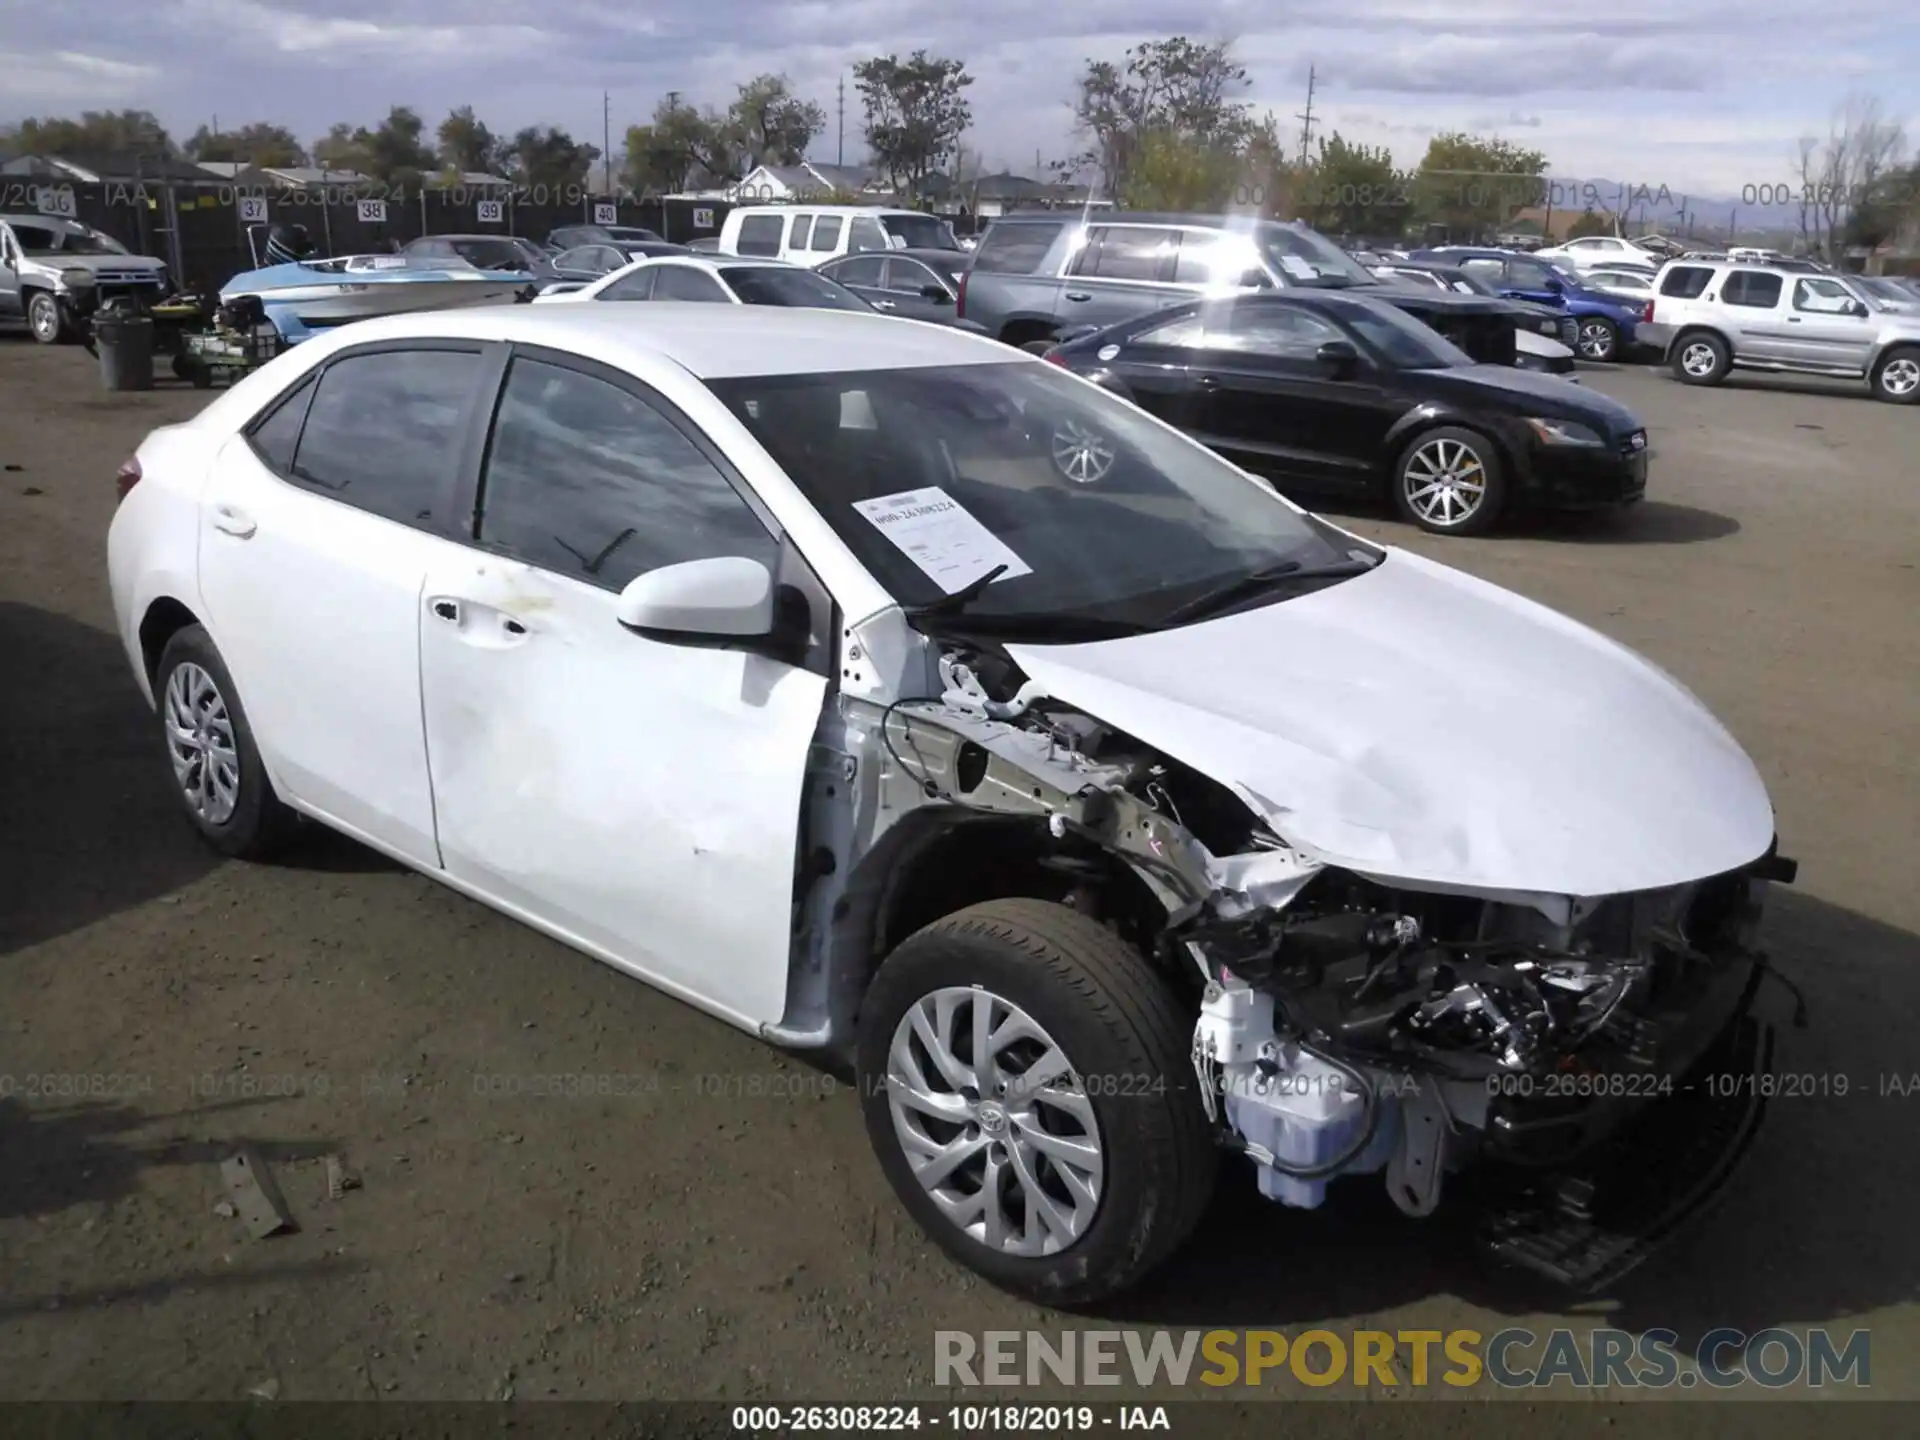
x: 319, y: 527
x: 1120, y: 271
x: 865, y: 275
x: 909, y: 288
x: 1753, y: 303
x: 1168, y: 371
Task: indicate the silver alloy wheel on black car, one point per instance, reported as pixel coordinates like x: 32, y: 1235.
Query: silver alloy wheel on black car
x: 1599, y: 339
x: 995, y: 1122
x: 1444, y: 482
x: 1081, y: 454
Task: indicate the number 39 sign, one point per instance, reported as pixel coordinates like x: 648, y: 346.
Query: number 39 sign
x: 488, y: 212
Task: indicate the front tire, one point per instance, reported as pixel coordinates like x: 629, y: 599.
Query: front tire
x: 1896, y: 379
x: 1598, y: 340
x: 218, y: 776
x: 1027, y: 1086
x: 1450, y: 481
x: 47, y: 320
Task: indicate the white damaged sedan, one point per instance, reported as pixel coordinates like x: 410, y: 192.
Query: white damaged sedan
x: 897, y: 696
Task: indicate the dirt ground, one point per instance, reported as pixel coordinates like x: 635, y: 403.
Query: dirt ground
x: 718, y: 1230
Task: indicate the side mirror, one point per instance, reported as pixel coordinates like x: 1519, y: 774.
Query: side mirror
x: 935, y: 293
x: 1338, y: 356
x: 1857, y: 309
x: 726, y: 598
x: 1556, y: 284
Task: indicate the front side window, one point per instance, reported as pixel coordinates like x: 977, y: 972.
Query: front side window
x: 383, y: 431
x: 760, y: 234
x: 789, y: 285
x: 1407, y: 343
x: 981, y: 460
x: 1276, y: 331
x: 910, y: 277
x: 1529, y: 274
x: 588, y: 480
x: 1822, y: 297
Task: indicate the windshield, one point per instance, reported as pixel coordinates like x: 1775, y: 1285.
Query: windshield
x: 1306, y: 258
x: 921, y: 232
x: 932, y: 476
x: 46, y: 240
x: 1468, y: 283
x: 1406, y: 342
x: 766, y: 285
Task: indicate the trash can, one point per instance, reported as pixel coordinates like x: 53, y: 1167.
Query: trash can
x: 125, y: 341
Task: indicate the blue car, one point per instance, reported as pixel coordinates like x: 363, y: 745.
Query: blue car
x: 1607, y: 323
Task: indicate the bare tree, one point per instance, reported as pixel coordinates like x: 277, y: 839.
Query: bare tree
x: 1844, y: 176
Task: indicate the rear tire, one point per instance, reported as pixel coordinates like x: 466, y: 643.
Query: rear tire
x: 1896, y: 379
x: 218, y: 775
x: 1122, y: 1107
x: 1701, y: 358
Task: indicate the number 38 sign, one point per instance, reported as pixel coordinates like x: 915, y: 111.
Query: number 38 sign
x: 373, y: 211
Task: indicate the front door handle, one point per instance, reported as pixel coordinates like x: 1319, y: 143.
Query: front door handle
x: 1793, y: 319
x: 1078, y: 295
x: 229, y: 521
x: 448, y: 610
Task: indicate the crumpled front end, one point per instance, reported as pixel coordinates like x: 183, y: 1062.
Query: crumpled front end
x: 1433, y: 1033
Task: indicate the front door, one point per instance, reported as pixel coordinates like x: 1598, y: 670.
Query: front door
x: 317, y: 534
x: 11, y: 306
x: 1822, y: 329
x: 1275, y: 407
x: 640, y: 798
x: 909, y: 289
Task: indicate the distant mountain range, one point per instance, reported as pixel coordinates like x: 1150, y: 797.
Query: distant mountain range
x: 1760, y: 208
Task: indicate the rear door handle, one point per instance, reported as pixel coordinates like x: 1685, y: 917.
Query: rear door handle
x: 229, y: 521
x: 1078, y: 295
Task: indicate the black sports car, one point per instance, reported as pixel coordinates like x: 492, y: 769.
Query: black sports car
x: 1333, y: 389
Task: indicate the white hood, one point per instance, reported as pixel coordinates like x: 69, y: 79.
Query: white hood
x: 1416, y: 724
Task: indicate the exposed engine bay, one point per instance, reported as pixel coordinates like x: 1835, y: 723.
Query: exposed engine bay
x: 1344, y: 1025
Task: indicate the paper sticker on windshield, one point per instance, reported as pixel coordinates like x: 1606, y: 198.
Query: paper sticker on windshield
x: 1298, y: 268
x: 950, y: 546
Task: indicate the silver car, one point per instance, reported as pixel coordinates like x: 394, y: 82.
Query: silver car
x: 48, y: 264
x: 1712, y: 316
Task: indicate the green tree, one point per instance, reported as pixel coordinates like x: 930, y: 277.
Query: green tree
x: 768, y: 124
x: 1589, y: 222
x: 340, y: 149
x: 466, y: 144
x: 1353, y: 190
x: 1471, y: 186
x: 395, y: 149
x: 96, y: 132
x: 916, y: 114
x: 548, y: 157
x: 1175, y: 88
x: 1170, y: 171
x: 257, y: 144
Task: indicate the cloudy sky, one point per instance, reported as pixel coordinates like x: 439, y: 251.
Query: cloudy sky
x: 1706, y: 96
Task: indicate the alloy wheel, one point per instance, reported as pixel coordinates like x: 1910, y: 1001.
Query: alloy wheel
x: 1699, y: 359
x: 200, y: 742
x: 994, y: 1121
x: 1445, y: 482
x: 43, y: 317
x: 1596, y: 340
x: 1081, y: 454
x: 1900, y: 378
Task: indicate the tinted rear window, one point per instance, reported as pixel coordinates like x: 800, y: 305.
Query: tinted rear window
x: 768, y: 285
x: 1752, y: 288
x: 1015, y: 249
x: 1686, y: 282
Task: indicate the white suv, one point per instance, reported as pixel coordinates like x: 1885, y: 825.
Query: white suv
x: 1714, y: 315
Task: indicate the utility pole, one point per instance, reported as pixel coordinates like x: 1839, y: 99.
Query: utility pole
x: 1305, y: 117
x: 840, y: 148
x: 606, y: 142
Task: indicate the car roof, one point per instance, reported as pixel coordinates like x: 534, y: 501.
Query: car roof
x: 792, y: 207
x: 922, y: 254
x: 58, y: 222
x: 708, y: 341
x: 698, y: 260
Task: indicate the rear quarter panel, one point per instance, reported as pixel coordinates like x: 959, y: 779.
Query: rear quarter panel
x: 153, y: 542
